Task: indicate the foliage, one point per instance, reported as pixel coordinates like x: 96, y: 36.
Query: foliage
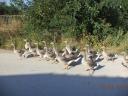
x: 97, y: 21
x: 77, y: 17
x: 8, y: 9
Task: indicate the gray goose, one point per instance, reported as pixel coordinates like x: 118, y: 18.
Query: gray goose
x: 32, y: 50
x: 69, y: 50
x: 67, y: 47
x: 89, y: 51
x: 69, y: 53
x: 27, y: 44
x: 62, y: 60
x: 90, y: 59
x: 39, y: 52
x: 19, y: 53
x: 47, y: 55
x: 107, y: 55
x: 125, y: 60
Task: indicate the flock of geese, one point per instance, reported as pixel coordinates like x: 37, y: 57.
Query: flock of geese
x: 68, y: 56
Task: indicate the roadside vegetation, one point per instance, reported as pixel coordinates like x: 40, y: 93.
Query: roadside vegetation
x: 96, y: 22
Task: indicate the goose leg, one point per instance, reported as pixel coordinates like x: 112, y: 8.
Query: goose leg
x: 95, y: 67
x: 66, y: 66
x: 113, y: 59
x: 48, y: 58
x: 91, y: 72
x: 55, y: 62
x: 41, y: 58
x: 124, y: 65
x: 19, y: 58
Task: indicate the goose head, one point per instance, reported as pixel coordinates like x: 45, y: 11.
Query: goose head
x: 25, y: 40
x: 52, y: 43
x: 103, y: 48
x: 66, y: 42
x: 36, y: 43
x: 12, y: 44
x: 44, y: 43
x: 87, y: 45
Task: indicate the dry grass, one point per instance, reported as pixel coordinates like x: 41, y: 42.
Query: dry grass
x: 11, y: 23
x: 14, y: 24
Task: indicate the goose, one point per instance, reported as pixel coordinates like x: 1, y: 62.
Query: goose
x: 75, y: 50
x: 47, y: 55
x: 125, y: 60
x: 68, y: 53
x: 27, y: 44
x: 90, y: 50
x: 39, y: 52
x: 54, y: 49
x: 108, y: 55
x: 61, y: 59
x: 90, y: 59
x: 44, y: 43
x: 16, y: 51
x: 67, y: 47
x: 76, y: 61
x: 65, y: 52
x: 92, y: 64
x: 32, y: 50
x: 27, y: 54
x: 21, y: 53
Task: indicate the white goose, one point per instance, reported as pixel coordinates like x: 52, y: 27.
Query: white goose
x: 46, y: 55
x: 27, y: 44
x: 54, y: 49
x: 32, y: 50
x: 17, y: 52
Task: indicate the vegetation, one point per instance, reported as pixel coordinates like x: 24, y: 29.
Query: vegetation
x: 98, y: 22
x: 8, y: 9
x: 10, y: 22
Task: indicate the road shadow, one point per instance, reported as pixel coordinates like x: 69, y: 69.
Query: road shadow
x: 62, y: 85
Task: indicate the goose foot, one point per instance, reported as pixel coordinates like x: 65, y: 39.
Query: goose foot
x: 41, y: 59
x: 55, y: 62
x: 91, y: 72
x: 66, y: 66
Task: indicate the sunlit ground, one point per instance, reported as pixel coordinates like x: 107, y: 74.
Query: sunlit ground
x: 32, y: 77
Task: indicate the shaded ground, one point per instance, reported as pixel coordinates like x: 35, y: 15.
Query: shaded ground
x: 62, y: 85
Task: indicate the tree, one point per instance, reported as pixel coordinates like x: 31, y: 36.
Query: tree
x: 75, y: 18
x: 8, y: 9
